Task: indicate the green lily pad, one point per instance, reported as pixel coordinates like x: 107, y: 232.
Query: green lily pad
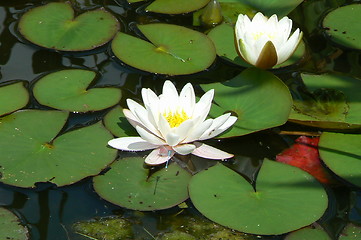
x: 31, y: 151
x: 308, y: 233
x: 223, y: 38
x: 13, y: 97
x: 330, y: 101
x: 11, y: 227
x: 342, y: 154
x: 248, y: 97
x: 176, y: 6
x: 69, y: 90
x: 350, y: 232
x: 270, y: 7
x: 55, y: 26
x: 116, y: 123
x: 129, y: 185
x: 345, y: 32
x: 286, y: 198
x: 172, y: 50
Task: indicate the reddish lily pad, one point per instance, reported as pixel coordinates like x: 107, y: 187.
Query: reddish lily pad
x: 55, y: 26
x: 304, y: 155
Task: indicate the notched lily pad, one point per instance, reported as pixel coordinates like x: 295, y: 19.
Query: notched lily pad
x: 345, y: 32
x: 268, y: 8
x: 128, y: 184
x: 55, y: 26
x: 342, y: 154
x: 117, y: 123
x: 248, y: 97
x: 31, y: 151
x: 13, y: 96
x: 308, y: 233
x: 329, y: 101
x: 11, y: 228
x: 69, y: 90
x: 223, y: 38
x: 176, y: 6
x: 286, y: 198
x: 172, y: 49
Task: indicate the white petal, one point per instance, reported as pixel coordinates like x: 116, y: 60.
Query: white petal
x: 156, y: 157
x: 217, y: 122
x: 163, y: 126
x: 151, y: 103
x: 184, y: 149
x: 142, y: 115
x: 289, y: 47
x: 131, y: 144
x: 206, y: 151
x: 169, y: 95
x: 198, y: 131
x: 148, y: 136
x: 172, y: 139
x: 133, y: 120
x: 218, y: 129
x: 187, y: 99
x: 202, y: 107
x: 259, y: 19
x: 184, y: 129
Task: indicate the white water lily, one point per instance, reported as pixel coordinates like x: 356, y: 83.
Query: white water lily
x: 172, y: 123
x: 265, y: 42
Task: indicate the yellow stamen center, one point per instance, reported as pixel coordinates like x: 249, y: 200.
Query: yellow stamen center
x: 258, y: 35
x: 175, y: 118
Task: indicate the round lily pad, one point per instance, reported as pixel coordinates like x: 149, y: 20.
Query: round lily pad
x: 223, y: 38
x: 69, y: 90
x: 308, y: 233
x: 342, y: 154
x: 13, y: 97
x: 248, y: 96
x: 345, y: 32
x: 286, y: 198
x: 55, y: 26
x: 31, y: 151
x: 176, y: 6
x: 130, y: 185
x: 172, y: 49
x: 11, y: 227
x: 268, y: 8
x: 330, y: 101
x: 116, y: 123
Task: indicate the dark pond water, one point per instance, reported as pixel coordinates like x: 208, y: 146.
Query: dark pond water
x: 49, y: 212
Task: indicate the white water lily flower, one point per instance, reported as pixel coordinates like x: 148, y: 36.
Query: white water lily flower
x: 172, y: 123
x: 265, y: 42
